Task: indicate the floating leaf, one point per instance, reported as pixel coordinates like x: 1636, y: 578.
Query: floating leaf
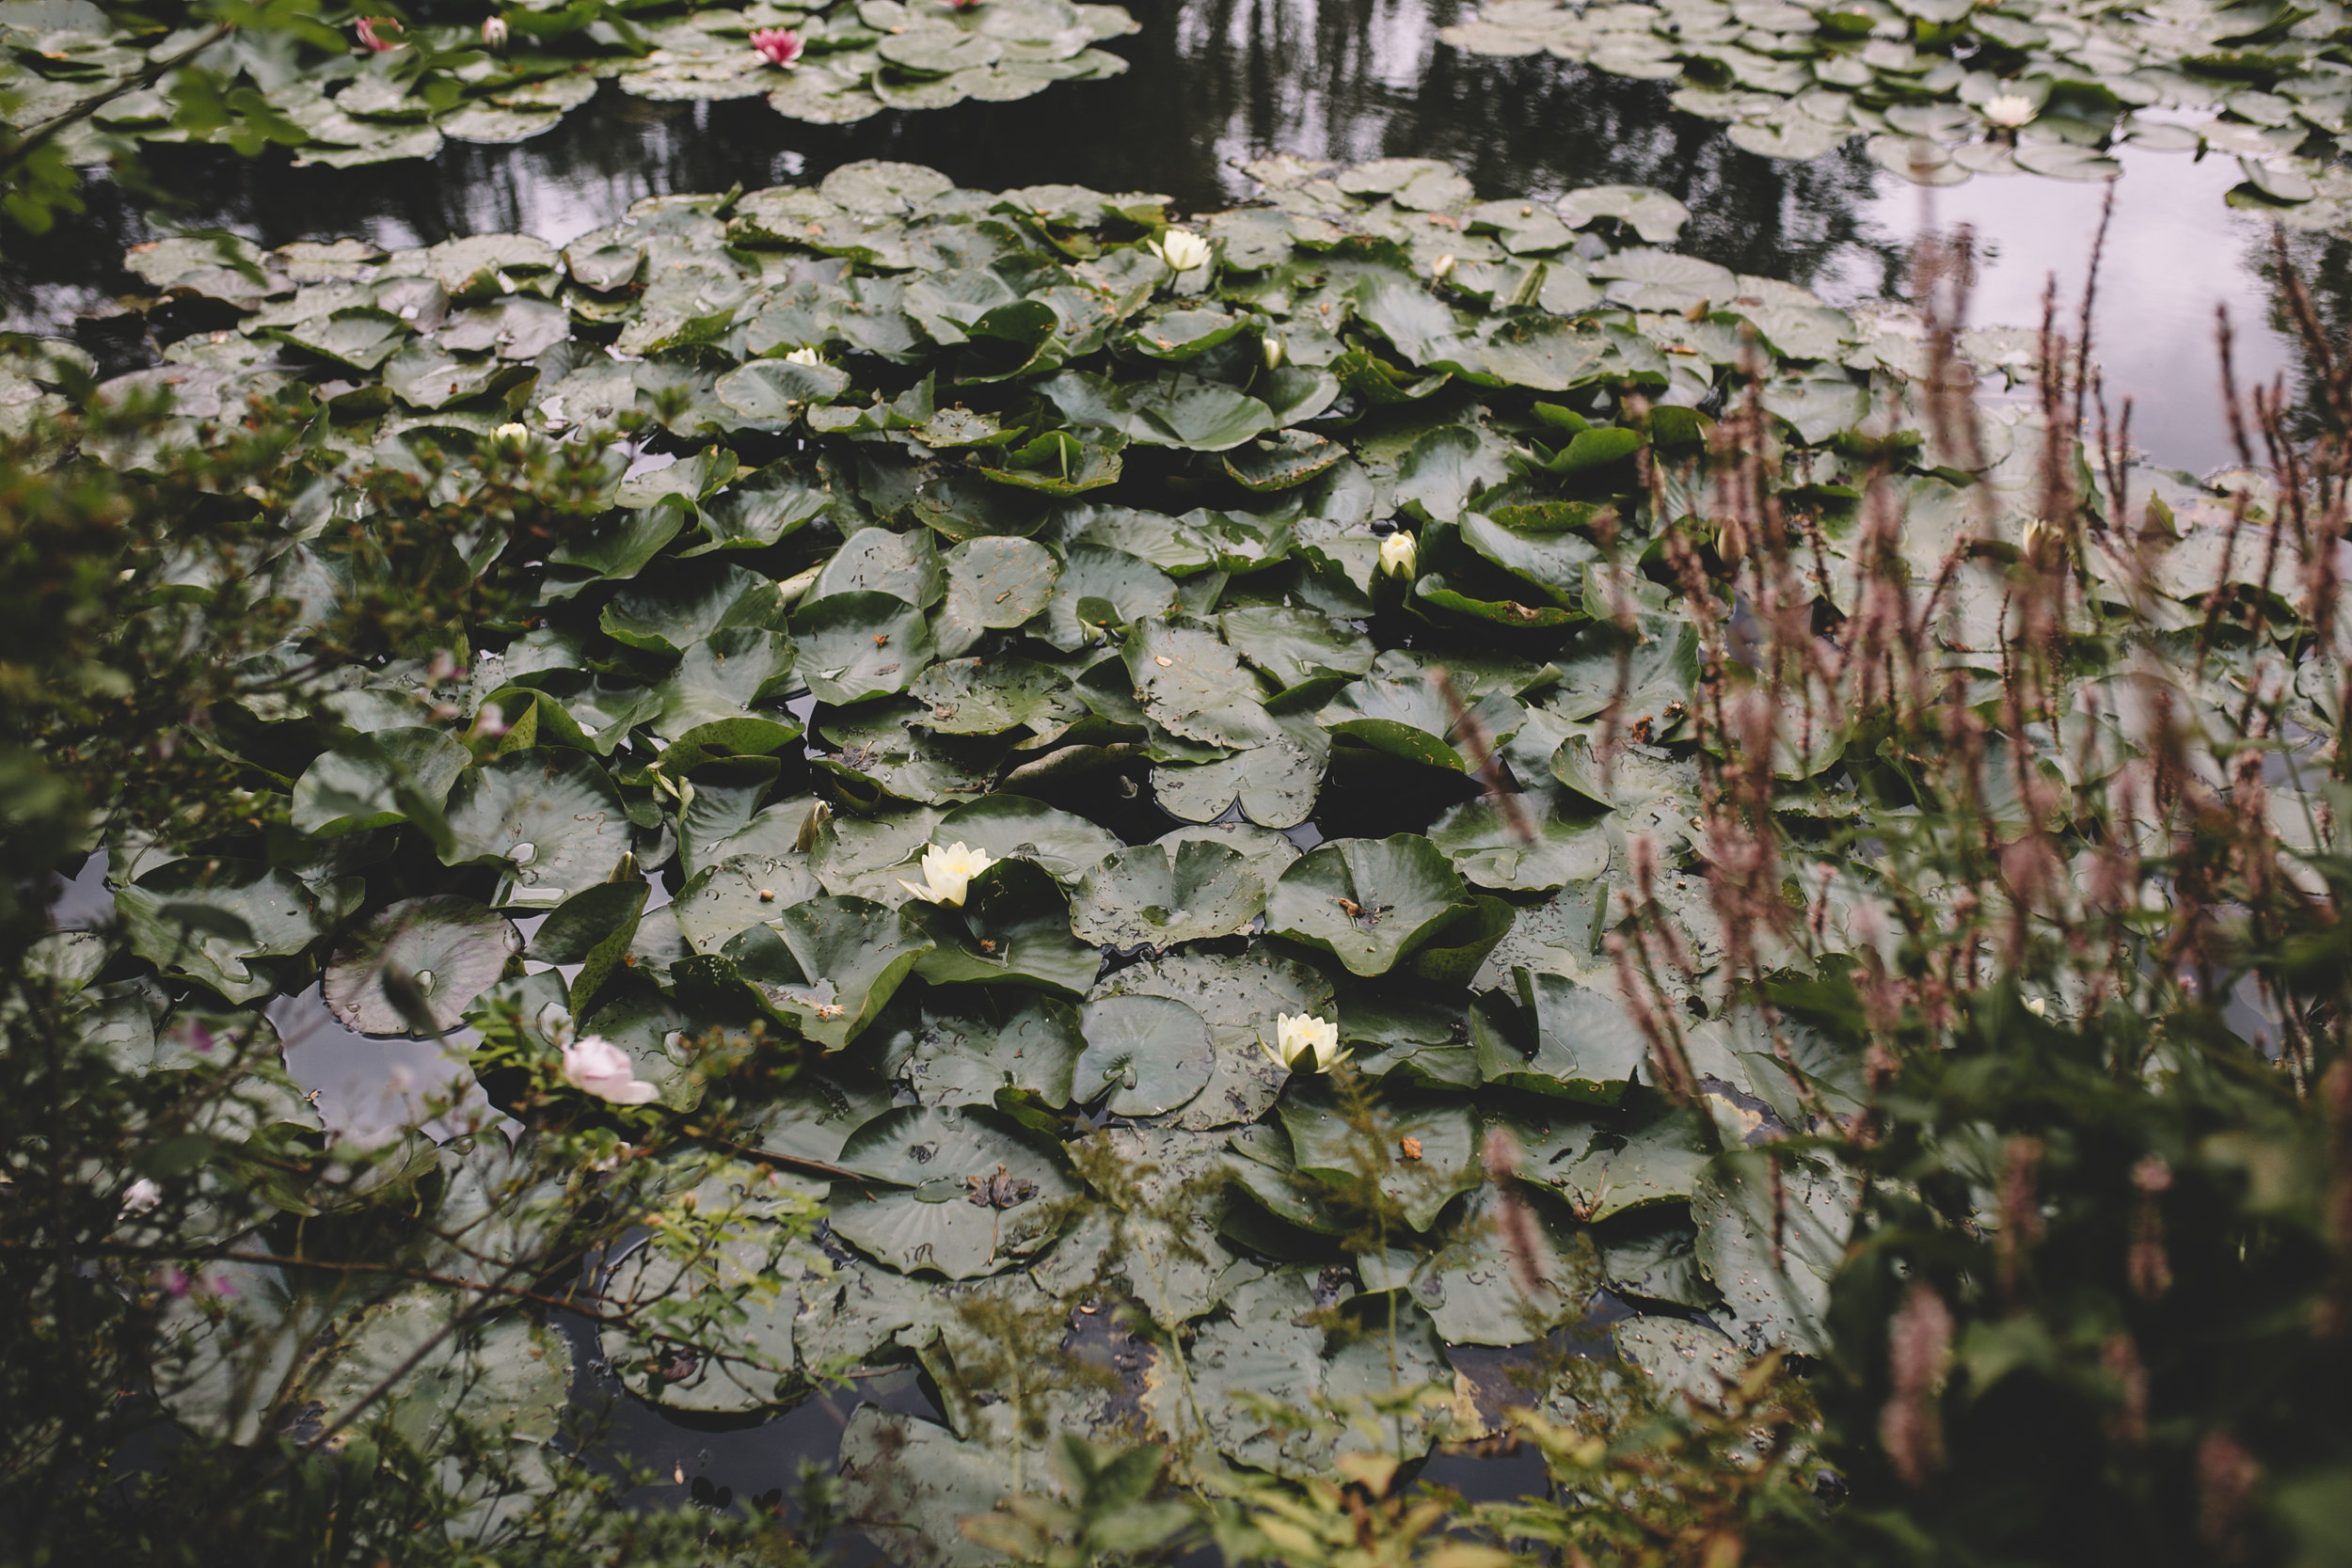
x: 430, y: 956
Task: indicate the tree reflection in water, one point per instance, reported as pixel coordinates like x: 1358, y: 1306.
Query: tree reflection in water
x: 1214, y: 82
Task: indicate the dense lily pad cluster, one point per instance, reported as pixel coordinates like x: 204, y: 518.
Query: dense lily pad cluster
x: 990, y: 625
x: 1946, y: 88
x: 400, y: 91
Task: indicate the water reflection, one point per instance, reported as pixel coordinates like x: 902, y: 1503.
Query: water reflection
x: 1218, y: 82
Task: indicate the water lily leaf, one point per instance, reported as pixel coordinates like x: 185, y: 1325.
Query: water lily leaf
x: 1135, y: 590
x: 669, y: 611
x: 379, y: 780
x: 1447, y: 467
x: 993, y: 582
x: 620, y: 544
x: 1161, y: 1243
x: 862, y: 646
x: 760, y: 510
x: 1276, y: 785
x: 1485, y: 846
x: 1282, y: 461
x: 425, y: 374
x: 1548, y: 354
x: 206, y: 919
x: 1649, y: 1154
x: 1152, y: 1053
x: 1367, y: 902
x: 1325, y: 1145
x: 1653, y: 1257
x: 909, y: 1483
x: 510, y: 1375
x: 1296, y: 645
x: 960, y: 1191
x: 1157, y: 895
x: 428, y: 957
x: 1009, y: 827
x: 877, y: 560
x: 814, y: 1115
x: 1193, y: 685
x: 774, y: 393
x: 361, y: 337
x: 885, y: 756
x: 963, y: 1054
x: 1240, y: 998
x: 550, y: 816
x: 1267, y: 853
x: 1587, y: 1046
x: 1059, y: 463
x: 740, y: 891
x: 1267, y: 1344
x: 1476, y: 1286
x: 1817, y: 406
x: 1771, y: 1247
x: 852, y: 955
x: 987, y: 696
x: 1017, y: 920
x: 710, y: 701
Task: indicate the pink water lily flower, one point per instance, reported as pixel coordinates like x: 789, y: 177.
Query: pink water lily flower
x: 368, y: 38
x: 779, y: 47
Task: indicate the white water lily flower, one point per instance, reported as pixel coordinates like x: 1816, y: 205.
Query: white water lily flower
x: 804, y: 355
x: 1181, y: 248
x: 142, y: 1196
x: 1271, y: 346
x: 512, y: 433
x: 2009, y: 110
x: 1304, y: 1043
x: 1442, y: 267
x: 946, y: 873
x: 1399, y: 554
x: 594, y: 1065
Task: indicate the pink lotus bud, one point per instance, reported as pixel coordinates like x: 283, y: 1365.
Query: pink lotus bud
x: 779, y: 47
x: 370, y: 40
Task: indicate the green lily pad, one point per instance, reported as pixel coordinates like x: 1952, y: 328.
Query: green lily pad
x: 857, y: 647
x: 1367, y: 902
x: 550, y: 818
x: 958, y: 1191
x: 1157, y: 895
x: 435, y: 955
x: 1152, y: 1053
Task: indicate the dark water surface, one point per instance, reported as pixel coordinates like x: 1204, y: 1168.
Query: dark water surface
x: 1213, y: 84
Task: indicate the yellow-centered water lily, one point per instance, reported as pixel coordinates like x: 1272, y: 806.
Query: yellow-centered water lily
x: 804, y: 355
x: 948, y: 872
x: 1181, y: 248
x: 1304, y: 1043
x: 1398, y: 555
x: 2009, y: 110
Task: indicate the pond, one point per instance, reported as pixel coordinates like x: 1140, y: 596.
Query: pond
x: 1215, y: 97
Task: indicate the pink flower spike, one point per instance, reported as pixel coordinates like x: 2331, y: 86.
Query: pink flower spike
x: 779, y: 47
x: 174, y: 1282
x: 367, y: 26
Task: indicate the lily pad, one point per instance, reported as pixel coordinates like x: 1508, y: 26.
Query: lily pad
x: 420, y: 962
x: 1157, y: 895
x: 1367, y: 902
x: 1152, y: 1053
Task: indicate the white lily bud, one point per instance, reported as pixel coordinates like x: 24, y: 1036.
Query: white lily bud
x: 804, y: 355
x: 1399, y: 555
x: 494, y: 32
x: 2009, y: 110
x: 1271, y: 346
x: 1442, y: 267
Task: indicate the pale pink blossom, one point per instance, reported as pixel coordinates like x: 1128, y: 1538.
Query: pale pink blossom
x: 594, y: 1065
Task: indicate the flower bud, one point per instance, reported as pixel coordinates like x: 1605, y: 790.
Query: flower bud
x: 494, y: 33
x: 1399, y: 555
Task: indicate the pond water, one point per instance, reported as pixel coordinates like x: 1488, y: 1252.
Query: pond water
x: 1214, y: 82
